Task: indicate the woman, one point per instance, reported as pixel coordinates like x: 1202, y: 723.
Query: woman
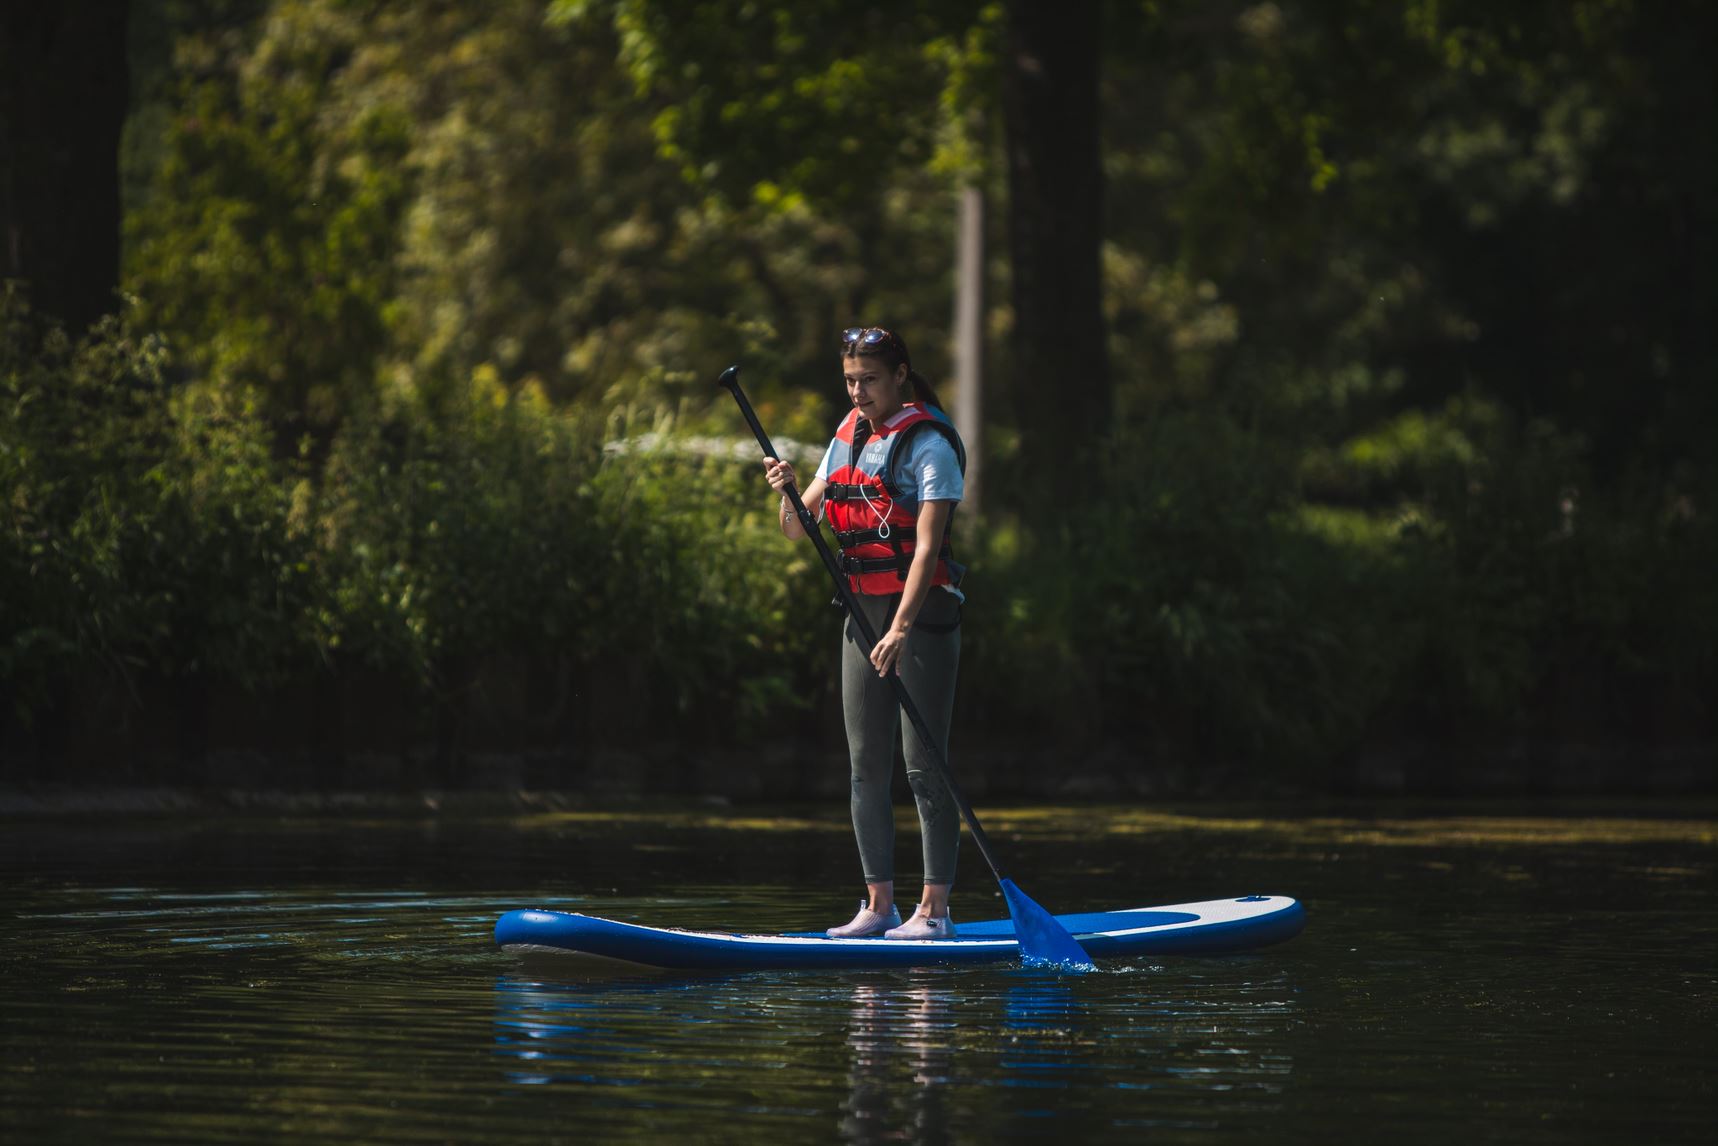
x: 888, y: 484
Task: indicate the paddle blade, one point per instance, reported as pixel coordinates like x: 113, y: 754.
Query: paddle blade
x: 1043, y: 941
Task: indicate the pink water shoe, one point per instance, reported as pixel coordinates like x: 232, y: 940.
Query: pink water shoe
x: 867, y: 922
x: 922, y: 926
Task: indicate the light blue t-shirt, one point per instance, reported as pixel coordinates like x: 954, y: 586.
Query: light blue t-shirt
x: 929, y: 471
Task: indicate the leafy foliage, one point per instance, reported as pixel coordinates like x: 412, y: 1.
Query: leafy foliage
x: 1406, y: 307
x: 146, y: 524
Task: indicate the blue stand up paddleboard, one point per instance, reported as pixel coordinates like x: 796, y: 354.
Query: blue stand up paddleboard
x: 1213, y: 927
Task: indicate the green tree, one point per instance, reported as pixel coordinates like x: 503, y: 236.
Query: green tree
x: 1404, y: 326
x: 836, y: 103
x: 265, y: 248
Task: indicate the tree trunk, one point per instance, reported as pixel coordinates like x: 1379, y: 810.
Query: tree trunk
x: 1060, y: 375
x: 969, y: 341
x: 64, y: 87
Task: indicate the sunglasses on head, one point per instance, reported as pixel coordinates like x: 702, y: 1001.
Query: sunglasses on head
x: 859, y: 337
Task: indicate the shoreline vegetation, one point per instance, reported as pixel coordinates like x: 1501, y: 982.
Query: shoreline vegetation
x: 1388, y: 816
x: 487, y: 581
x: 1612, y: 778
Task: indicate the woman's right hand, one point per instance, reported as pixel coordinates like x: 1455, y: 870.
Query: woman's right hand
x: 779, y: 474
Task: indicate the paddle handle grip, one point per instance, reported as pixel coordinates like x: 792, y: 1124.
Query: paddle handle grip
x: 730, y: 381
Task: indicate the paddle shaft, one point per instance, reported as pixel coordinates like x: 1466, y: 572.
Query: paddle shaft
x: 731, y: 382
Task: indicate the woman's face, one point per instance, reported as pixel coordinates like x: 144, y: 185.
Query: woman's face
x: 873, y: 387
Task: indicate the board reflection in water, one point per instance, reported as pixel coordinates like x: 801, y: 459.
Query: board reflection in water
x: 930, y: 1056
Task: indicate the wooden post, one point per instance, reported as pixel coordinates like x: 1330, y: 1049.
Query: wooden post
x: 969, y: 339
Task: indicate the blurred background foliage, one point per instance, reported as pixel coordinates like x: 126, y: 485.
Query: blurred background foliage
x: 1410, y: 371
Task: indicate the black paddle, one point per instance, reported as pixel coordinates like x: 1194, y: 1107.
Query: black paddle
x: 1042, y: 939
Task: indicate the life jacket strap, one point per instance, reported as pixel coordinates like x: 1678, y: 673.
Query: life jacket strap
x: 852, y: 537
x: 858, y: 566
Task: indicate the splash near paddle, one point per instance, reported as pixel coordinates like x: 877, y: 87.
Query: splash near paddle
x: 1043, y: 941
x: 1218, y: 926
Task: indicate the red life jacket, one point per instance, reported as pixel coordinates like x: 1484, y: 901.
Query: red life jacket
x: 877, y: 534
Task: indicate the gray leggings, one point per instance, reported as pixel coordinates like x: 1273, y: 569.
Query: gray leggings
x: 928, y: 668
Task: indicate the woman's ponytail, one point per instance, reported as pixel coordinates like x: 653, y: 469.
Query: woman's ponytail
x: 922, y: 390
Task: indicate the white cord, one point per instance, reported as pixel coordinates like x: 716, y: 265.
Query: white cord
x: 883, y: 529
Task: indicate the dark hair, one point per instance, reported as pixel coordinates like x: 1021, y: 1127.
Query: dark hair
x: 922, y: 389
x: 893, y: 351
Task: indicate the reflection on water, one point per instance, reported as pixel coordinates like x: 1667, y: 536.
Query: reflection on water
x: 892, y: 1034
x: 922, y: 1055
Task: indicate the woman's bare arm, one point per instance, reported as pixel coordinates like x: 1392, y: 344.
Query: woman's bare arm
x: 780, y: 475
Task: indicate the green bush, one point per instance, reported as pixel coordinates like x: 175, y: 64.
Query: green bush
x: 1185, y: 607
x: 450, y: 527
x: 731, y: 616
x: 1197, y: 602
x: 489, y: 522
x: 146, y: 522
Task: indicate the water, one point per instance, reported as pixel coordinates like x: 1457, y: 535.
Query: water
x: 1488, y: 977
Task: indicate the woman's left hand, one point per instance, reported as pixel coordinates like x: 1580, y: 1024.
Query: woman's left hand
x: 887, y: 654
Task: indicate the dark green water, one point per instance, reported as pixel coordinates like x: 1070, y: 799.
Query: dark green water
x: 1467, y: 977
